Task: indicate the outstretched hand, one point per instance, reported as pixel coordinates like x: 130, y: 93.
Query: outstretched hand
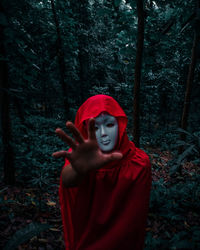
x: 86, y: 154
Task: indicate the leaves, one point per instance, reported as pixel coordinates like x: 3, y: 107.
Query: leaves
x: 117, y: 3
x: 109, y: 45
x: 51, y: 203
x: 171, y: 200
x: 3, y: 20
x: 191, y: 149
x: 25, y: 234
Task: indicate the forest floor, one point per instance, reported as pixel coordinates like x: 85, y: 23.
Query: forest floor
x: 20, y: 206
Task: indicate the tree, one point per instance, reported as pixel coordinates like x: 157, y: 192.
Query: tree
x: 137, y: 78
x: 8, y: 159
x: 81, y: 15
x: 190, y: 77
x: 61, y: 60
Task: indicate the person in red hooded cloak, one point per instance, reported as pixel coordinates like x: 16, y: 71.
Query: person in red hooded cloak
x: 104, y: 196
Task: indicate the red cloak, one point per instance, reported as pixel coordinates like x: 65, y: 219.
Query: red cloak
x: 108, y: 210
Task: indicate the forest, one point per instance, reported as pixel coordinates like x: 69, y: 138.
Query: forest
x: 53, y: 56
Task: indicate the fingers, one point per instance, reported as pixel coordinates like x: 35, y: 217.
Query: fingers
x: 113, y: 157
x: 91, y: 129
x: 64, y: 137
x: 77, y: 135
x: 62, y: 153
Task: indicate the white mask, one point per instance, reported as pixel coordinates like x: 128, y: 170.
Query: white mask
x: 106, y: 131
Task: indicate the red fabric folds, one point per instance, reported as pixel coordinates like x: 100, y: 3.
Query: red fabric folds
x: 108, y: 210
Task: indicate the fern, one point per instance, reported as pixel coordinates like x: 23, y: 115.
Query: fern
x: 191, y: 150
x: 25, y: 234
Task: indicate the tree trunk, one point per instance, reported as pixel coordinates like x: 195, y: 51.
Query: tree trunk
x: 8, y: 159
x: 190, y: 78
x: 84, y: 24
x: 61, y: 60
x: 137, y: 78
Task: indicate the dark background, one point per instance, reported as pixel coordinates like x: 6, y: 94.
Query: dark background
x: 53, y: 56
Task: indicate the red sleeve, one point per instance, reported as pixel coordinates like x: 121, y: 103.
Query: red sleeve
x: 67, y: 201
x: 109, y: 209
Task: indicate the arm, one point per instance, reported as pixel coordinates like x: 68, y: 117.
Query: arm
x: 85, y: 155
x: 70, y: 178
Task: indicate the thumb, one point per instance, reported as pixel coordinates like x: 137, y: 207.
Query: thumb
x: 114, y: 156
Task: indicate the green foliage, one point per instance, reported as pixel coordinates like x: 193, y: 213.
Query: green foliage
x: 191, y: 150
x: 25, y: 234
x: 33, y: 149
x: 170, y: 204
x: 105, y: 33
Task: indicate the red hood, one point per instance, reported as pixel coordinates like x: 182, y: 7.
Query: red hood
x: 108, y: 209
x: 97, y: 104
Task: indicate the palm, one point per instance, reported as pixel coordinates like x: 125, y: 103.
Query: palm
x: 86, y: 154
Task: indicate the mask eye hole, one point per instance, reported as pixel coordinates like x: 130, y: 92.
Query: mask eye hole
x: 110, y: 125
x: 96, y: 128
